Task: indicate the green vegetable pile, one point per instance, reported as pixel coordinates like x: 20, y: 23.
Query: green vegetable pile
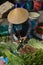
x: 9, y: 46
x: 35, y: 43
x: 13, y: 59
x: 33, y: 58
x: 5, y: 38
x: 6, y: 51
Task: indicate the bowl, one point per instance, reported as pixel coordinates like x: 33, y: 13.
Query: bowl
x: 34, y: 15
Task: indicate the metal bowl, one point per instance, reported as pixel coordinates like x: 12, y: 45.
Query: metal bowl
x: 34, y: 15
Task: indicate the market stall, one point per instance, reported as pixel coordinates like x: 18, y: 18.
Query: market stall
x: 21, y: 33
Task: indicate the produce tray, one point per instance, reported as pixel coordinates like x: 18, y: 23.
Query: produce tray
x: 5, y: 7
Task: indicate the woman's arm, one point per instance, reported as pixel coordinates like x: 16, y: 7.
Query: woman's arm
x: 10, y: 28
x: 28, y: 35
x: 15, y: 38
x: 29, y: 30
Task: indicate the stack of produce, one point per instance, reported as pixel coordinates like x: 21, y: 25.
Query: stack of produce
x: 35, y: 58
x: 35, y: 43
x: 5, y: 39
x: 29, y: 58
x: 31, y: 46
x: 13, y: 59
x: 9, y: 46
x: 7, y: 50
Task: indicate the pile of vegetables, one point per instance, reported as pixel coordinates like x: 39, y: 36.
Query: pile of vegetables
x: 7, y: 50
x: 13, y: 59
x: 35, y: 58
x: 10, y: 46
x: 35, y: 43
x: 28, y: 58
x: 5, y: 38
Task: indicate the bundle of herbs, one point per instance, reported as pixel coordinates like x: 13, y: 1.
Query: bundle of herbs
x: 35, y: 58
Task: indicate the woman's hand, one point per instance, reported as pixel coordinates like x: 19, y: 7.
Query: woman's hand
x: 17, y: 41
x: 24, y: 38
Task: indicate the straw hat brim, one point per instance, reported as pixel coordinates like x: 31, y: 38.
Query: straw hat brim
x: 1, y: 18
x: 18, y: 16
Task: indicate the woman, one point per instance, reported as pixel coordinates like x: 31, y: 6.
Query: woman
x: 21, y: 25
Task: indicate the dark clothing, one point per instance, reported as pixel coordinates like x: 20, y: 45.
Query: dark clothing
x: 27, y: 5
x: 2, y: 1
x: 23, y: 30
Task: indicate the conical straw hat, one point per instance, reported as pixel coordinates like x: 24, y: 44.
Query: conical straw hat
x: 18, y: 16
